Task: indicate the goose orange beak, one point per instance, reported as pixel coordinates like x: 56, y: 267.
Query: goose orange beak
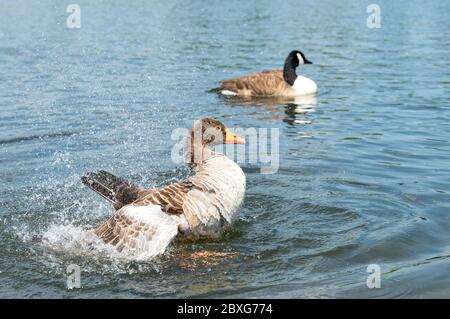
x: 231, y: 138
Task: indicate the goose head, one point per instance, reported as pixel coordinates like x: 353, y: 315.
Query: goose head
x: 206, y: 133
x: 293, y: 60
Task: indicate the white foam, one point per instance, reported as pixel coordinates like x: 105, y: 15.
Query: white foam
x: 75, y: 240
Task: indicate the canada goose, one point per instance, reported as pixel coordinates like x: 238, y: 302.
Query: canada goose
x: 203, y: 205
x: 281, y: 83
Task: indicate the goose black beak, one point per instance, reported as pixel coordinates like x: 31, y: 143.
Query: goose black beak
x: 308, y: 62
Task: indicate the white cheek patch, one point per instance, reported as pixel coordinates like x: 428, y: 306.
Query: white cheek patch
x: 300, y: 59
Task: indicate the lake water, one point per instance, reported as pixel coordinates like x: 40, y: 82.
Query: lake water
x: 363, y: 178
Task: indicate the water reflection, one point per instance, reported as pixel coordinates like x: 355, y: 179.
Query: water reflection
x: 296, y: 110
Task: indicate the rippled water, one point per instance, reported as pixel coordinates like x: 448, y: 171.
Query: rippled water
x: 364, y: 172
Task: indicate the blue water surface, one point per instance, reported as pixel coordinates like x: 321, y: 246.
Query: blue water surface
x: 363, y: 178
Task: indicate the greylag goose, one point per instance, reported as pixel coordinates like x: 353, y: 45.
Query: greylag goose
x: 203, y: 205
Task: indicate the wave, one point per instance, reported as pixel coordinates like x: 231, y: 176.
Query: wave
x: 35, y: 137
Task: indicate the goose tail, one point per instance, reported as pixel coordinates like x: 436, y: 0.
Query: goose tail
x: 214, y: 90
x: 104, y: 183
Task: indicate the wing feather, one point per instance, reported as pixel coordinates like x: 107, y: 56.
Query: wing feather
x: 144, y: 231
x: 171, y: 198
x: 265, y: 83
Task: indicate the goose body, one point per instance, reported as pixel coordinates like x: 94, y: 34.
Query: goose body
x: 274, y: 83
x: 147, y: 220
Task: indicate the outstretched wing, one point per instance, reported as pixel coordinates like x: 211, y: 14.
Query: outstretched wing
x: 143, y: 231
x: 264, y: 83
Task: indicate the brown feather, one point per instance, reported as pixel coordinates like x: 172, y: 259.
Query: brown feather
x: 265, y: 83
x: 170, y: 198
